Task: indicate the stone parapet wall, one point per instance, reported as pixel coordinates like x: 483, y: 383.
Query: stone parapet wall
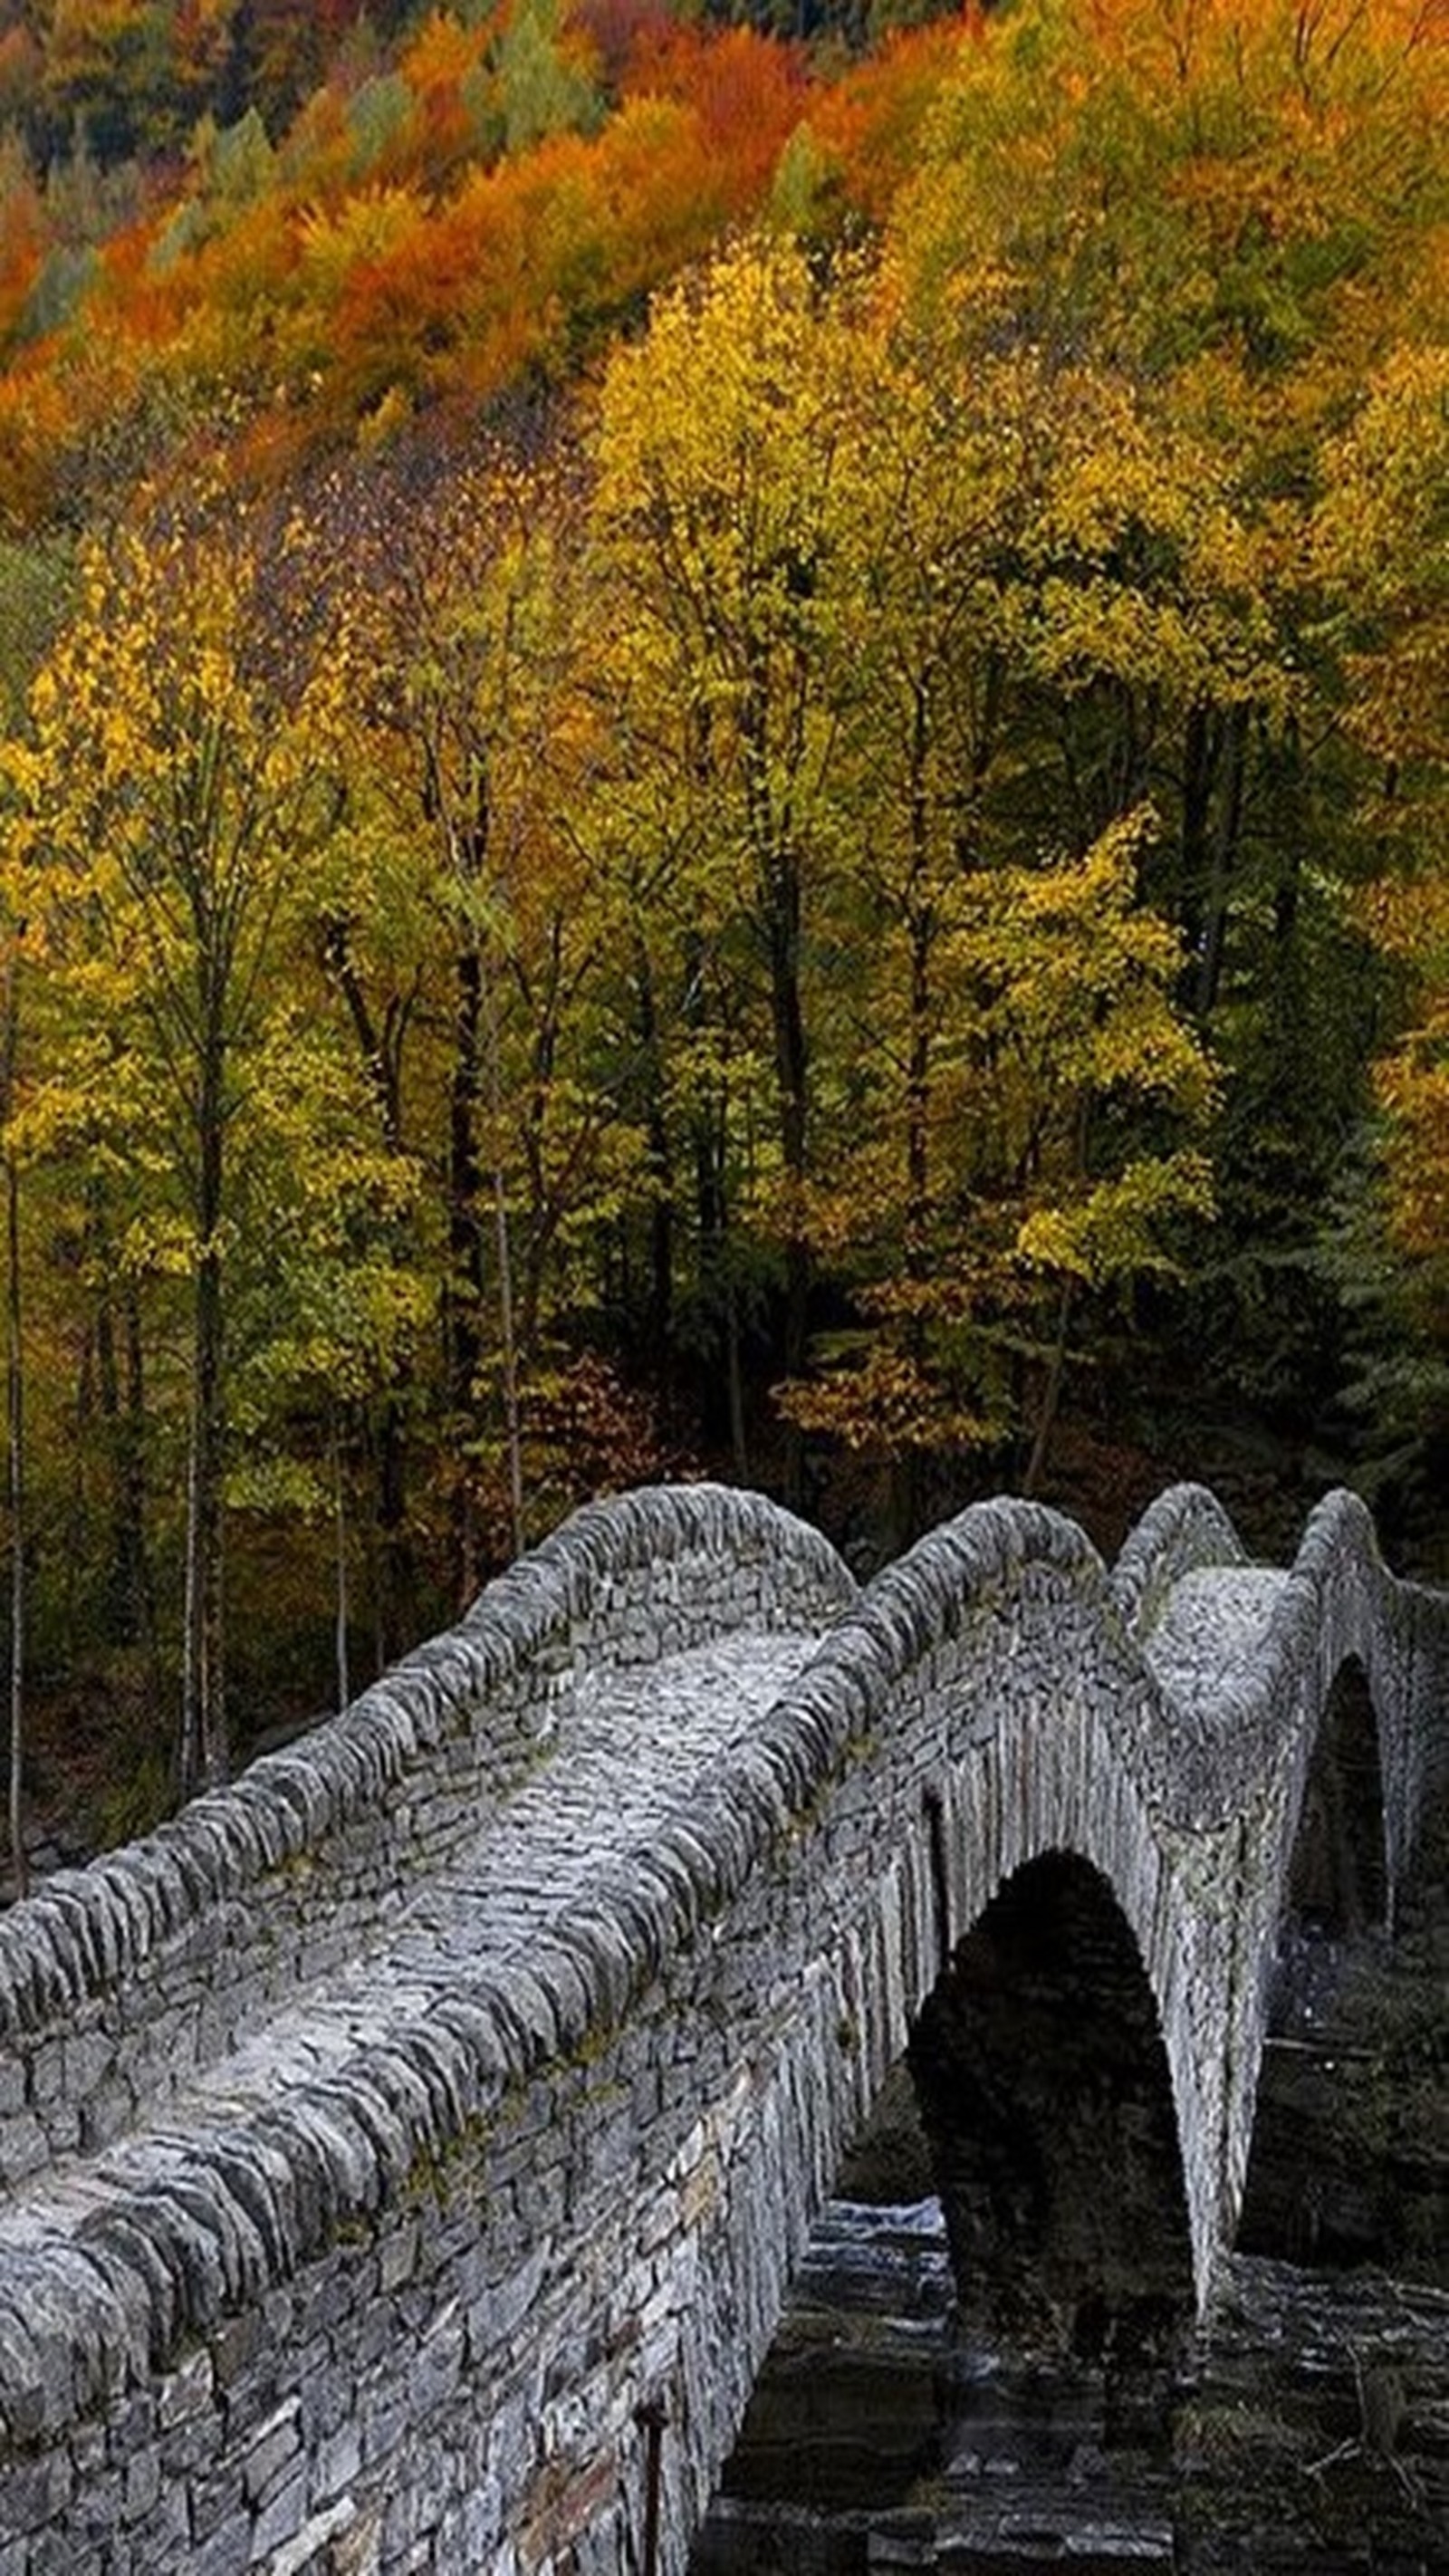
x: 443, y: 2365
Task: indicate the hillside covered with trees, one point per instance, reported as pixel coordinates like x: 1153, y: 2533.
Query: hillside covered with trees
x: 724, y: 749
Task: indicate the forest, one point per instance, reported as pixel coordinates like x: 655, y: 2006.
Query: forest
x: 723, y: 750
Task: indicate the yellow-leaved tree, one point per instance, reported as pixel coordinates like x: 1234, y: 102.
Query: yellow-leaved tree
x: 855, y: 584
x: 1381, y: 554
x: 1056, y: 1149
x: 172, y: 789
x: 469, y: 933
x: 721, y: 506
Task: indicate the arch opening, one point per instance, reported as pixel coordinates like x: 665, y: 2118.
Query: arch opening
x: 998, y: 2288
x: 1046, y: 2096
x: 1338, y: 1873
x: 849, y: 2413
x: 1320, y: 2190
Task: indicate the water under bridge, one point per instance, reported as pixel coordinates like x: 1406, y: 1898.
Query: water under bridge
x: 404, y: 2153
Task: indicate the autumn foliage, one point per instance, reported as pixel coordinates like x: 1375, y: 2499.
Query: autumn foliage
x: 719, y: 750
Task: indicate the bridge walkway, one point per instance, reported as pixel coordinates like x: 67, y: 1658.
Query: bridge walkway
x: 598, y: 1793
x: 1209, y: 1639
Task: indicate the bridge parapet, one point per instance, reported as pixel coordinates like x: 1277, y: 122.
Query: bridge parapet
x: 1185, y: 1530
x: 121, y: 1981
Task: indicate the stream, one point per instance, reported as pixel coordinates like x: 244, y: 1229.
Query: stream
x: 1307, y: 2429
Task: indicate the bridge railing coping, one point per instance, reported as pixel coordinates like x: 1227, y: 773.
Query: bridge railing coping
x: 1336, y: 1596
x: 169, y: 2262
x: 87, y: 1929
x: 1183, y: 1531
x: 1335, y: 1565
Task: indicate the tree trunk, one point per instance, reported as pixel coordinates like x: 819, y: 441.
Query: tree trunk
x: 132, y: 1476
x: 1046, y: 1421
x: 661, y: 1166
x: 339, y: 1528
x: 921, y: 926
x: 392, y: 1588
x: 791, y: 1077
x: 131, y: 1607
x: 508, y: 1359
x: 906, y: 1477
x: 462, y: 1304
x: 503, y: 1257
x: 381, y: 1045
x: 204, y: 1752
x: 709, y: 1145
x: 739, y: 1435
x: 1220, y: 845
x: 1199, y: 764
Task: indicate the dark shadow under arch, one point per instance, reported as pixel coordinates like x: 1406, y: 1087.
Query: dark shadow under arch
x: 1047, y: 2100
x: 1319, y: 2189
x: 1338, y: 1874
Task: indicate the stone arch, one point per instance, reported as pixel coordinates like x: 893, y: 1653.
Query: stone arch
x: 1304, y: 2198
x: 1338, y: 1880
x: 1043, y: 2076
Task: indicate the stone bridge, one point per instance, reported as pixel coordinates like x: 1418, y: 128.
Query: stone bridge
x: 405, y: 2152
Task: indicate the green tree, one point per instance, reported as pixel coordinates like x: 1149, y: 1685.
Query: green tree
x: 110, y: 73
x: 542, y: 90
